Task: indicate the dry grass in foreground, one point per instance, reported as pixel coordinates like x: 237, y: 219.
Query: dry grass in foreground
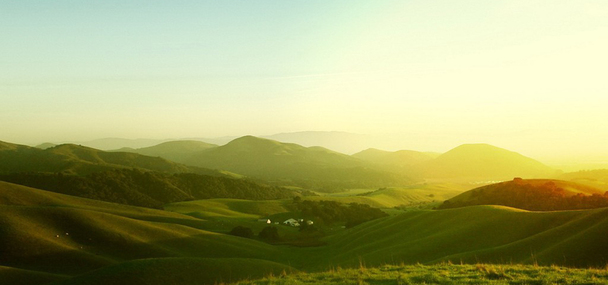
x: 444, y: 274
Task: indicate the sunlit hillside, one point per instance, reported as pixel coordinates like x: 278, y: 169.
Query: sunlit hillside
x: 483, y: 161
x: 533, y: 194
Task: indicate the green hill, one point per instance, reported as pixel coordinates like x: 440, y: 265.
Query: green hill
x: 532, y: 194
x: 488, y: 234
x: 180, y: 270
x: 74, y: 159
x: 46, y: 145
x: 389, y: 197
x: 313, y: 167
x: 147, y: 188
x: 45, y: 235
x: 397, y: 161
x: 484, y: 162
x: 595, y: 178
x: 178, y: 151
x: 400, y: 157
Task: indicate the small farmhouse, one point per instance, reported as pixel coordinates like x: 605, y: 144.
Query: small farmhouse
x: 292, y: 222
x: 268, y: 221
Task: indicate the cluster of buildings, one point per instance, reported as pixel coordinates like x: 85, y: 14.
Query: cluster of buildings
x: 289, y: 222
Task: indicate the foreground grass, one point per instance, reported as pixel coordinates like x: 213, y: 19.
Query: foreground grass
x: 444, y: 274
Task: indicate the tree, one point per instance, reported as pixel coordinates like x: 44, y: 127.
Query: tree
x: 241, y: 231
x: 269, y: 234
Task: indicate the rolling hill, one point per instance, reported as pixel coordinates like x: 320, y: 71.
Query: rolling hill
x: 148, y: 188
x: 595, y: 178
x: 178, y: 151
x: 532, y: 194
x: 49, y: 236
x: 402, y: 161
x: 485, y: 162
x: 125, y: 178
x: 313, y: 167
x: 74, y: 159
x: 339, y: 141
x: 46, y: 236
x: 486, y: 234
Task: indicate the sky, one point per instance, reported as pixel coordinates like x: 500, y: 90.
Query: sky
x: 529, y: 76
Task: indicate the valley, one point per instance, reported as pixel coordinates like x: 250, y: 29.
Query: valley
x: 187, y: 232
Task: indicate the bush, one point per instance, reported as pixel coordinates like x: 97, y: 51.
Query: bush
x: 241, y: 231
x: 269, y: 234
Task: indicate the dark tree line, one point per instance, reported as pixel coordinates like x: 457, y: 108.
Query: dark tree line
x: 147, y: 188
x: 331, y: 212
x: 269, y: 234
x: 546, y: 197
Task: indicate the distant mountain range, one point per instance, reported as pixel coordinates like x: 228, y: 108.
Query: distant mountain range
x: 289, y: 163
x: 178, y: 151
x: 315, y: 167
x: 338, y: 141
x: 74, y: 159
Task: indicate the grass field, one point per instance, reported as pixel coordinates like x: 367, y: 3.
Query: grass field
x: 48, y: 237
x: 477, y: 234
x: 397, y: 196
x: 442, y: 274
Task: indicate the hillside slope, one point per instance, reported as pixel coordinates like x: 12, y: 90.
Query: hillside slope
x: 483, y: 161
x: 74, y: 159
x: 595, y: 178
x: 489, y: 234
x: 178, y: 151
x: 295, y: 164
x: 532, y: 194
x: 148, y: 188
x: 402, y: 161
x: 55, y: 234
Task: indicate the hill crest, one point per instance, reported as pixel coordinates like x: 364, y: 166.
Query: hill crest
x: 484, y: 161
x: 533, y: 195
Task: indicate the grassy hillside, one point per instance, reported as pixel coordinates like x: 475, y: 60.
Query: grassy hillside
x: 490, y: 234
x: 182, y: 271
x: 15, y: 276
x: 389, y: 197
x: 178, y: 151
x: 532, y: 194
x: 74, y: 159
x: 442, y: 274
x: 231, y: 208
x: 48, y: 234
x: 147, y: 188
x: 595, y: 178
x: 292, y: 164
x: 484, y: 162
x: 397, y: 161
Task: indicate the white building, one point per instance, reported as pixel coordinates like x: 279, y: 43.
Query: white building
x: 292, y: 222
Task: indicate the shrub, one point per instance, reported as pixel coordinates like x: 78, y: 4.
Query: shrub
x: 269, y: 234
x: 241, y: 231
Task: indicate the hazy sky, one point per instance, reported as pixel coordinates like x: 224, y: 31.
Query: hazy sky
x: 530, y: 76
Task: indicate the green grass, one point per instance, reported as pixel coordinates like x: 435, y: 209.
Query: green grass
x: 118, y: 238
x: 180, y: 271
x: 443, y: 274
x: 15, y: 276
x: 233, y: 208
x: 397, y: 196
x: 476, y: 234
x: 48, y: 232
